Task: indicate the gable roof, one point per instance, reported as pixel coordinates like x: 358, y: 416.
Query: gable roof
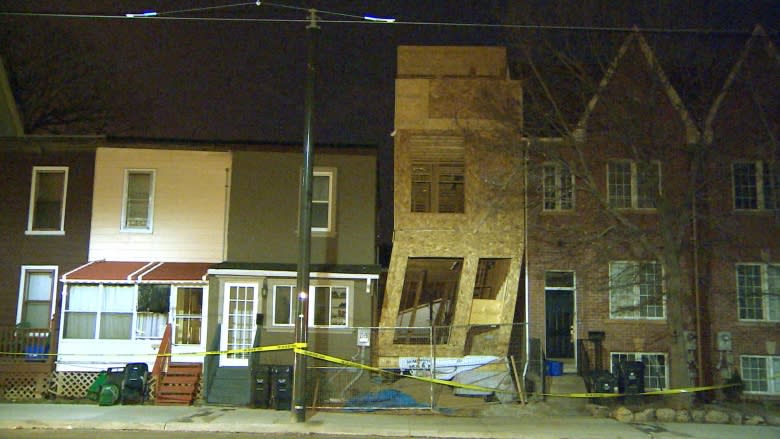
x: 635, y: 37
x: 10, y: 121
x: 758, y: 34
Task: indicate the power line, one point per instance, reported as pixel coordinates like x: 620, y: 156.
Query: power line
x: 370, y: 20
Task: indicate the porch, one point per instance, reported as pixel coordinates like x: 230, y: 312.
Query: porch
x: 26, y: 362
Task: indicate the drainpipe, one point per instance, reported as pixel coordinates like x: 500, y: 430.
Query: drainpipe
x: 696, y: 292
x: 525, y: 259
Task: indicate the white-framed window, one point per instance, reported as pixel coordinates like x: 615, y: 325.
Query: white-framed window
x: 328, y: 305
x: 151, y: 311
x: 99, y: 311
x: 655, y: 367
x: 760, y: 373
x: 48, y: 192
x: 323, y: 200
x: 37, y: 288
x: 633, y: 185
x: 758, y: 291
x: 283, y: 305
x: 636, y: 290
x: 188, y: 315
x: 558, y: 187
x: 138, y: 200
x: 756, y: 185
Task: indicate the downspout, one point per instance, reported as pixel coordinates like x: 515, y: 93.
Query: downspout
x: 525, y: 260
x: 226, y: 214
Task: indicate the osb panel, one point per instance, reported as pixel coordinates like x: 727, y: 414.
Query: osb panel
x: 471, y: 98
x: 485, y: 312
x: 451, y: 61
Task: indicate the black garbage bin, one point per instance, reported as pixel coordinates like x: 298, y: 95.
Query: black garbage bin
x: 632, y: 377
x: 281, y: 387
x: 602, y: 381
x: 261, y: 386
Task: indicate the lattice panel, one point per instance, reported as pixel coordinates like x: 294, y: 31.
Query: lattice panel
x: 72, y: 385
x: 21, y: 385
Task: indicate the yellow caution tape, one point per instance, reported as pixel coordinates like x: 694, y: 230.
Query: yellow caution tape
x: 280, y: 347
x: 655, y: 392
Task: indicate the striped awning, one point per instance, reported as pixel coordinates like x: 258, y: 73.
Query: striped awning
x: 138, y: 272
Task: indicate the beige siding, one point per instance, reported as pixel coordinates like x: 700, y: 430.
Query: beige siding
x: 189, y: 205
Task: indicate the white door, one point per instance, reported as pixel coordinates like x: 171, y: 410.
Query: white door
x: 238, y: 323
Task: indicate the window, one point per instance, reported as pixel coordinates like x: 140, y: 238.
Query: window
x: 428, y: 299
x: 322, y: 200
x: 283, y: 305
x: 152, y: 310
x: 47, y: 200
x: 491, y: 275
x: 99, y: 311
x: 760, y: 374
x: 758, y: 291
x: 756, y: 185
x: 328, y: 305
x: 239, y: 312
x: 633, y: 185
x: 138, y: 204
x: 635, y: 290
x: 558, y: 187
x: 36, y: 294
x: 188, y: 315
x: 437, y: 173
x: 655, y: 367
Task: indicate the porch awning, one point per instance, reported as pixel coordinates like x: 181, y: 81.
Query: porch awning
x: 138, y: 272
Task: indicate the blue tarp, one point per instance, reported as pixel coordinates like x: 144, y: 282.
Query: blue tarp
x: 382, y: 399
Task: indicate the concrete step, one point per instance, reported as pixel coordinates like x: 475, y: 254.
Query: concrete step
x: 564, y: 385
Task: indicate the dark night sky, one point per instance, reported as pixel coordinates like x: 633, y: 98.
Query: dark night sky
x: 244, y: 80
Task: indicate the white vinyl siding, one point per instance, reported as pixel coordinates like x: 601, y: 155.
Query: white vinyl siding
x: 48, y: 193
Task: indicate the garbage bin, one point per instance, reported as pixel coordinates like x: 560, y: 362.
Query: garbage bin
x: 602, y: 381
x: 261, y: 389
x: 281, y: 387
x: 632, y: 377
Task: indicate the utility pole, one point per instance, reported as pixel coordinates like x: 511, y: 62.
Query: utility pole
x: 304, y: 226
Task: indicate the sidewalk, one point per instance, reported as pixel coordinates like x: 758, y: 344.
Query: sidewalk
x: 246, y: 420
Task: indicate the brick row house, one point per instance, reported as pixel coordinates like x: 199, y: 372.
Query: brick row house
x: 647, y: 234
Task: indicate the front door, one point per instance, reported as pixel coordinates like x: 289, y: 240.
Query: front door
x: 238, y: 323
x: 559, y: 314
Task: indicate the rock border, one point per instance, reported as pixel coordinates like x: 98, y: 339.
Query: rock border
x: 705, y: 415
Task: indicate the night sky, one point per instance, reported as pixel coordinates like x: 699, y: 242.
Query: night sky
x: 210, y: 80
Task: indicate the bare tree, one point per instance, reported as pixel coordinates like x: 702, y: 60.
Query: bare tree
x: 59, y: 85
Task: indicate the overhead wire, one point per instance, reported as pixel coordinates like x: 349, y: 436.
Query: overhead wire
x: 368, y: 20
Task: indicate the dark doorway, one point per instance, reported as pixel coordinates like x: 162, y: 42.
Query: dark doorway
x: 559, y: 314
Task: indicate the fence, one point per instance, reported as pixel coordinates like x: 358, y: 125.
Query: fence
x: 348, y: 377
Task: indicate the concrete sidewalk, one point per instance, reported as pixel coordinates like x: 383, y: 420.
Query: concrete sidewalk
x: 245, y: 420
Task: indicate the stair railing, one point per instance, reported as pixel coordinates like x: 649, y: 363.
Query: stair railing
x: 163, y: 354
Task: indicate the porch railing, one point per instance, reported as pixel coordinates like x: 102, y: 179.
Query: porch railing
x: 25, y: 345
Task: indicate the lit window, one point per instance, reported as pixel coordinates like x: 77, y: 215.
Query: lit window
x: 35, y: 295
x: 558, y: 188
x: 188, y: 315
x: 760, y: 374
x: 758, y: 291
x: 329, y: 306
x: 633, y: 185
x: 47, y: 200
x: 756, y: 186
x: 138, y: 205
x: 99, y: 311
x: 655, y: 367
x: 635, y: 290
